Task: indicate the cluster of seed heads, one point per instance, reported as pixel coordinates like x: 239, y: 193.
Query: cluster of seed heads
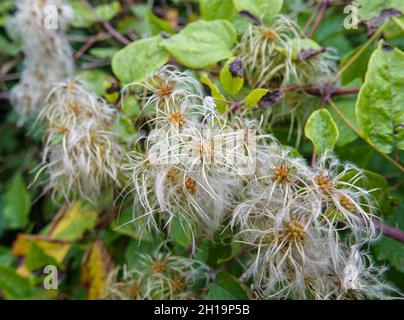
x: 82, y: 156
x: 160, y: 276
x: 48, y: 56
x: 279, y: 53
x: 175, y: 174
x: 308, y: 227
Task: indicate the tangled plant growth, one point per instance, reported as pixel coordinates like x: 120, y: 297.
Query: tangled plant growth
x: 202, y: 149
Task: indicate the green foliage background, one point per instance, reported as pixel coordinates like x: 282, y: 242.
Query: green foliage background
x: 34, y: 231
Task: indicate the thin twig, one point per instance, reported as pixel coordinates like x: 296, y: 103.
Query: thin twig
x: 307, y: 25
x: 108, y: 27
x: 321, y: 92
x: 322, y: 11
x: 90, y: 42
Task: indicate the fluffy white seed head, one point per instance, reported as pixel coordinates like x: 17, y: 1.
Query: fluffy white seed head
x: 48, y: 55
x: 160, y: 276
x: 82, y: 156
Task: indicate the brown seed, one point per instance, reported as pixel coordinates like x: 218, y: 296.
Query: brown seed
x: 190, y: 184
x: 71, y: 86
x: 164, y: 90
x: 324, y: 184
x: 294, y: 231
x: 177, y: 118
x: 74, y: 107
x: 281, y: 174
x: 177, y: 284
x: 269, y: 34
x: 345, y: 203
x: 158, y: 266
x: 134, y: 290
x: 171, y: 175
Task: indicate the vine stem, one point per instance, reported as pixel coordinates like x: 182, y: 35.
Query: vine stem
x: 389, y: 231
x: 359, y: 134
x: 320, y: 92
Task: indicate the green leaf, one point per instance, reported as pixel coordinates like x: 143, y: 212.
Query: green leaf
x: 83, y: 17
x: 374, y: 181
x: 321, y: 130
x: 232, y: 76
x: 214, y: 92
x: 265, y: 10
x: 17, y: 204
x: 358, y: 68
x: 37, y: 258
x: 226, y: 287
x: 139, y: 59
x: 95, y: 79
x: 231, y: 284
x: 213, y: 253
x: 136, y: 248
x: 132, y: 109
x: 357, y: 154
x: 371, y: 9
x: 103, y: 53
x: 254, y: 97
x: 108, y: 10
x: 8, y: 48
x: 123, y: 126
x: 157, y: 25
x: 379, y: 108
x: 14, y: 286
x: 6, y: 257
x: 217, y: 9
x: 347, y: 106
x: 181, y: 233
x: 147, y: 23
x: 202, y: 43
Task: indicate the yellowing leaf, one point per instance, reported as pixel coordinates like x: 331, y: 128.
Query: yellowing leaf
x: 57, y: 249
x: 97, y: 265
x: 263, y: 98
x: 73, y: 223
x: 232, y: 76
x: 214, y: 92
